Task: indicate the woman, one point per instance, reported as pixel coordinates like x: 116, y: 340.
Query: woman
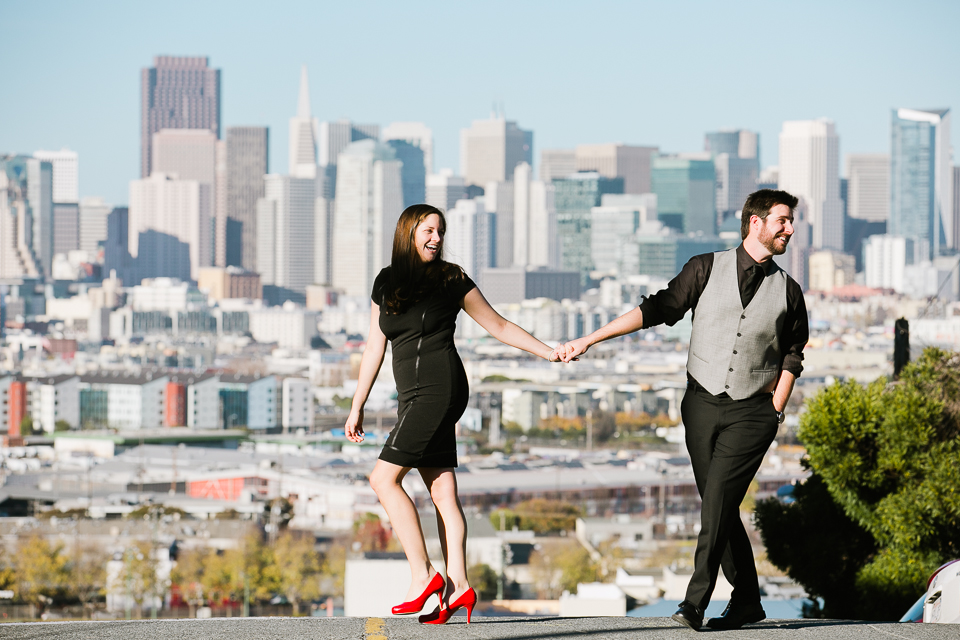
x: 415, y: 302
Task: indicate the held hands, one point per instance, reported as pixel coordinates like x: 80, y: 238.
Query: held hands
x: 568, y: 352
x: 354, y: 426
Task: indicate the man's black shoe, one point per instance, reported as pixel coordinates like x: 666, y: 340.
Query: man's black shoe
x: 737, y: 615
x: 689, y: 615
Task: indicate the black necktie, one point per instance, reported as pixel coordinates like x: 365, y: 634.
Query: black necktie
x: 751, y: 282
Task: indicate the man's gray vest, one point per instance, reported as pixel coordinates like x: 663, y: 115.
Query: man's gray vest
x: 735, y: 349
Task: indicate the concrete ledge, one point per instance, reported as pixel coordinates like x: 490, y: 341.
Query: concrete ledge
x: 520, y: 628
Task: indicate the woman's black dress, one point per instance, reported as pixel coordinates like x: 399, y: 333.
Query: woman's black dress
x: 432, y: 388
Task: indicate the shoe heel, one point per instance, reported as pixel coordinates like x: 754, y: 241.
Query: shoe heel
x: 469, y: 612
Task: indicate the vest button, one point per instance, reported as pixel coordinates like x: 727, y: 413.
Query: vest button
x: 726, y: 386
x: 734, y: 352
x: 743, y: 317
x: 739, y: 334
x: 729, y: 369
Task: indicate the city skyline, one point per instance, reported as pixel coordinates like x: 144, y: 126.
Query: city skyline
x: 564, y: 97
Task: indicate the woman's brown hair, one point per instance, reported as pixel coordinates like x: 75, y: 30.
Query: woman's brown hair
x: 410, y: 278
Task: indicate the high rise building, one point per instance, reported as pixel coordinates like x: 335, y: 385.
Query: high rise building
x: 368, y: 205
x: 686, y: 193
x: 444, y: 189
x: 247, y: 162
x: 885, y: 259
x: 116, y: 249
x: 18, y: 259
x: 810, y: 169
x: 613, y: 229
x: 534, y: 220
x: 177, y: 93
x: 66, y: 227
x: 574, y: 198
x: 285, y: 236
x: 499, y: 198
x: 868, y: 186
x: 304, y: 131
x: 417, y: 134
x: 412, y: 174
x: 65, y: 174
x: 30, y: 198
x: 93, y: 223
x: 619, y: 161
x: 334, y: 138
x: 737, y: 143
x: 557, y: 163
x: 470, y: 240
x: 170, y: 226
x: 921, y: 182
x: 186, y: 154
x: 829, y: 270
x: 491, y: 149
x: 956, y: 206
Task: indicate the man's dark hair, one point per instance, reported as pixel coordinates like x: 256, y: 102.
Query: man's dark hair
x: 759, y: 204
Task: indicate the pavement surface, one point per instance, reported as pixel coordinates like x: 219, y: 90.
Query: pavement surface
x: 514, y: 628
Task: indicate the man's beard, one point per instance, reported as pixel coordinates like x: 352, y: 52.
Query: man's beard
x: 769, y: 241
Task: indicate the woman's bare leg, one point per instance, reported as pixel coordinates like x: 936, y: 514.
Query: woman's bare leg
x: 385, y: 480
x: 442, y: 484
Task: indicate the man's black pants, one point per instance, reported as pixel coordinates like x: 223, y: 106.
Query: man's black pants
x: 727, y: 440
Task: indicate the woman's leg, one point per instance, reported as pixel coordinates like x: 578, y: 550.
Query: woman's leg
x: 442, y: 484
x: 385, y: 480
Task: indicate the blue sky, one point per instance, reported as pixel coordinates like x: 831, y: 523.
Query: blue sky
x: 658, y: 73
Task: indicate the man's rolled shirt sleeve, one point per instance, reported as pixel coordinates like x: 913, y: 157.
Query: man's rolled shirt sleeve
x: 668, y: 306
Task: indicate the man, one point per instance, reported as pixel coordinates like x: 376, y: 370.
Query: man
x: 749, y: 330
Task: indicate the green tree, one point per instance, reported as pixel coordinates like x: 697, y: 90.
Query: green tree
x: 484, y: 580
x: 26, y: 425
x: 334, y: 568
x: 86, y: 575
x: 40, y: 569
x: 61, y: 425
x: 298, y: 568
x: 887, y: 456
x: 576, y: 566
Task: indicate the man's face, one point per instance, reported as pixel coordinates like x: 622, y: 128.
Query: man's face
x: 776, y: 229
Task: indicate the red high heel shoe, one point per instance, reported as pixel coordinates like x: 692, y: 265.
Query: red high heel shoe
x: 414, y: 606
x: 468, y: 600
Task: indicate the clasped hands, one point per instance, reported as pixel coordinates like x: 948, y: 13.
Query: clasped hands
x: 569, y: 351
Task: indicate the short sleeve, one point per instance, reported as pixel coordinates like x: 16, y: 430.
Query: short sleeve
x: 463, y: 287
x: 378, y: 284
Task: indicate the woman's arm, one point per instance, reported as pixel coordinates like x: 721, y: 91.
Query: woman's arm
x: 627, y: 323
x: 369, y: 368
x: 502, y: 329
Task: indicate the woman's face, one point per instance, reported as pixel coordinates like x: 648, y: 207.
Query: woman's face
x: 428, y: 238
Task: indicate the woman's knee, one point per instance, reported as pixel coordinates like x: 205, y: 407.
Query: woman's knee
x: 381, y: 480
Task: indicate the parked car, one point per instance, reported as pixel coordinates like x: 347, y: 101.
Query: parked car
x: 941, y: 602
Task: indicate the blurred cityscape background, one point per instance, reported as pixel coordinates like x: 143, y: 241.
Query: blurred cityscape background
x: 180, y: 334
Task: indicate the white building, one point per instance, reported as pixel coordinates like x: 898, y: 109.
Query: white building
x: 809, y: 169
x: 93, y: 223
x: 182, y: 209
x: 134, y: 401
x: 885, y: 259
x: 631, y: 163
x: 471, y: 236
x: 444, y: 189
x: 304, y: 130
x: 66, y: 173
x: 491, y: 149
x: 736, y: 179
x: 369, y: 203
x: 534, y: 220
x: 297, y: 401
x: 868, y: 186
x: 166, y: 294
x: 203, y: 403
x: 417, y: 134
x: 51, y: 399
x: 614, y: 225
x: 285, y: 232
x: 290, y: 326
x: 185, y: 154
x: 829, y: 270
x: 557, y: 163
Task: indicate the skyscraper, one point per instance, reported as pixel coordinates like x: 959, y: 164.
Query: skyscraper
x: 66, y: 227
x: 534, y: 220
x: 614, y: 225
x: 810, y: 169
x: 304, y: 131
x: 737, y: 143
x: 921, y: 182
x: 177, y: 93
x: 93, y: 223
x: 187, y: 154
x: 18, y: 258
x: 368, y: 205
x: 334, y: 138
x: 417, y: 134
x: 411, y: 173
x: 575, y: 196
x: 247, y: 163
x: 470, y: 240
x: 65, y: 165
x: 170, y: 226
x: 686, y: 193
x: 285, y: 236
x: 557, y: 163
x: 618, y: 161
x: 491, y: 149
x: 444, y: 189
x: 868, y: 186
x: 499, y: 198
x: 736, y: 158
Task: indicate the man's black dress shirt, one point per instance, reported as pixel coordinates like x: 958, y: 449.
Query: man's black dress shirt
x: 683, y: 292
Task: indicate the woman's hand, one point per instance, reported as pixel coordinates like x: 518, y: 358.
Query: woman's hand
x: 574, y: 348
x: 354, y: 426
